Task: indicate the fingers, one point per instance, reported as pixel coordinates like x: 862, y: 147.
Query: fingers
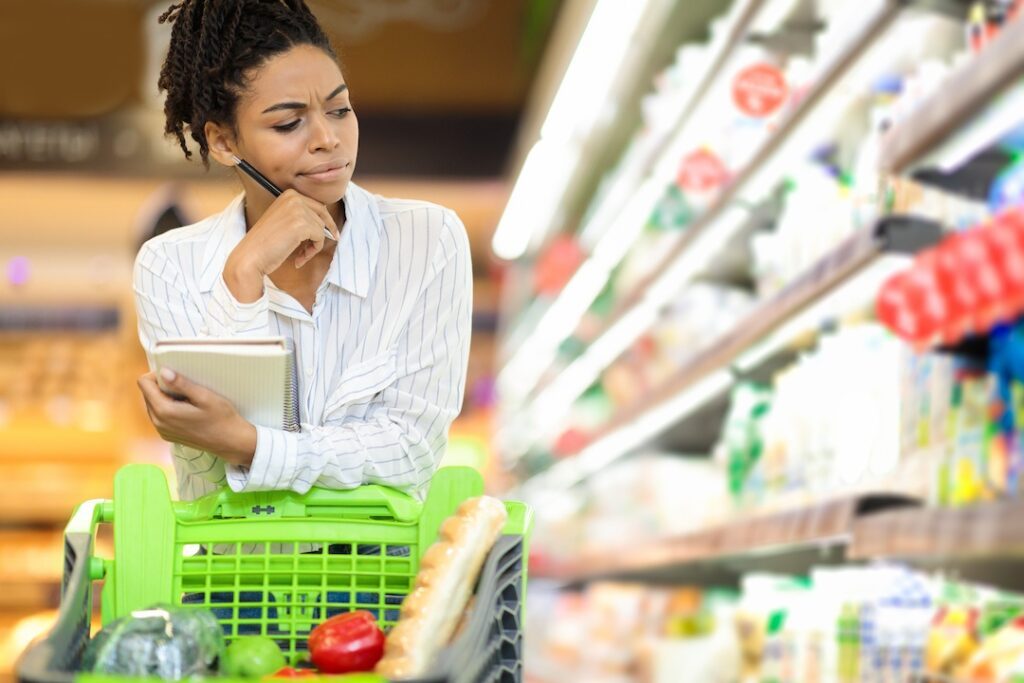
x: 307, y: 219
x: 306, y: 253
x: 151, y: 390
x: 325, y: 216
x: 176, y: 385
x: 158, y: 404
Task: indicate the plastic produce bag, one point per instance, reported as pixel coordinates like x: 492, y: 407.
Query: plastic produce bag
x: 168, y: 642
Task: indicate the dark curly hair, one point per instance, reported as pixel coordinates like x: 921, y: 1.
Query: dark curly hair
x: 214, y: 44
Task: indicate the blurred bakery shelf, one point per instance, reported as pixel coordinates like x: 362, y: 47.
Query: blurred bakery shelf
x: 18, y: 627
x: 30, y: 576
x: 949, y: 139
x: 46, y: 492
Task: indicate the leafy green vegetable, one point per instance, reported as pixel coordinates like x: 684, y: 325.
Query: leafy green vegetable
x: 168, y: 642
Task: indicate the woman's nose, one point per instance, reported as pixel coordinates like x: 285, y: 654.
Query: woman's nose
x: 322, y: 134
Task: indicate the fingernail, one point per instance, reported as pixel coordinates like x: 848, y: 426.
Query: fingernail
x: 167, y: 374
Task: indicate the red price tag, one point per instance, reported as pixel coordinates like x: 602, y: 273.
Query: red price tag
x: 701, y: 171
x: 760, y: 90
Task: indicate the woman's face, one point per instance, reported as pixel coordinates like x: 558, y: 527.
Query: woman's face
x: 295, y: 124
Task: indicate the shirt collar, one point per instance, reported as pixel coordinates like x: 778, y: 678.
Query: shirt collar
x: 355, y: 258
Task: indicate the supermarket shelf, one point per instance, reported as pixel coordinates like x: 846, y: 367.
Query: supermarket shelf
x: 971, y: 346
x: 985, y: 531
x: 895, y: 234
x: 982, y: 542
x: 972, y: 179
x: 788, y: 541
x: 734, y: 262
x: 707, y: 235
x: 700, y: 428
x: 761, y: 159
x: 46, y: 491
x: 951, y: 115
x: 606, y: 153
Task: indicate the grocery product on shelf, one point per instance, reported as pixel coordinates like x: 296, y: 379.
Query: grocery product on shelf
x: 639, y: 500
x: 932, y: 425
x: 834, y: 625
x: 814, y: 196
x: 619, y: 633
x: 965, y: 285
x: 806, y: 441
x: 826, y: 197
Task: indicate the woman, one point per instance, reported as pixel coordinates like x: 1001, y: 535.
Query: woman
x: 380, y: 318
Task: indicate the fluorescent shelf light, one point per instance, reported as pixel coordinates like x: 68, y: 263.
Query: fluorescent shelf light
x: 521, y: 374
x: 581, y: 100
x: 534, y: 199
x: 583, y: 95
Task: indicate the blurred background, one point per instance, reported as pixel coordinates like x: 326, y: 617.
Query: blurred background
x: 86, y: 176
x: 748, y: 284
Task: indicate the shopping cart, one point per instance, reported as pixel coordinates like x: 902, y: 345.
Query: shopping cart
x: 277, y: 563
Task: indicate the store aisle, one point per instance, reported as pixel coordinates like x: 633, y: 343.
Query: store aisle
x: 760, y: 367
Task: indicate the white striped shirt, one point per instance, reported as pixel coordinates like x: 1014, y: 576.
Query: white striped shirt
x: 381, y: 359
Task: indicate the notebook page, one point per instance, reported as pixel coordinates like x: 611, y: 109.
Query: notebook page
x: 255, y: 379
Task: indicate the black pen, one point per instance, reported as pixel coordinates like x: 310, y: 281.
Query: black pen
x: 269, y: 186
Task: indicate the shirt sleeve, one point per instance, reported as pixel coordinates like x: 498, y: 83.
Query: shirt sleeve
x: 401, y: 439
x: 165, y: 309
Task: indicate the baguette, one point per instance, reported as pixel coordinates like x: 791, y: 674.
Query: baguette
x: 444, y: 586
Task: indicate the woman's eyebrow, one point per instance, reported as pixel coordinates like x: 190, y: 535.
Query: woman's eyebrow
x: 301, y: 105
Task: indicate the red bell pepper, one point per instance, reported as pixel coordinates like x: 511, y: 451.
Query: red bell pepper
x: 347, y: 643
x: 291, y: 672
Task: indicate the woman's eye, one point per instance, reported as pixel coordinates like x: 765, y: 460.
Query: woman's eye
x: 340, y: 113
x: 284, y: 128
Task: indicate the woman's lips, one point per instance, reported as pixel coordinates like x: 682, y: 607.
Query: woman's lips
x: 328, y: 175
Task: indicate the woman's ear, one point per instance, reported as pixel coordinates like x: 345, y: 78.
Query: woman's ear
x: 221, y: 142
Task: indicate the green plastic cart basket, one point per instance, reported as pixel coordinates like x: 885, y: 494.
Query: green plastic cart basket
x: 278, y: 563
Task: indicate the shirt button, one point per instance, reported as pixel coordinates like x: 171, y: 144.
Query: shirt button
x: 309, y: 372
x: 204, y: 330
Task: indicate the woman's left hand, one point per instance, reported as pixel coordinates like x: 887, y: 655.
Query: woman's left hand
x: 200, y: 419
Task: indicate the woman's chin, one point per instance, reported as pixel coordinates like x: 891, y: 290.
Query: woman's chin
x: 325, y: 194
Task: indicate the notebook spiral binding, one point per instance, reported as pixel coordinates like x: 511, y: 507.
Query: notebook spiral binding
x: 291, y: 394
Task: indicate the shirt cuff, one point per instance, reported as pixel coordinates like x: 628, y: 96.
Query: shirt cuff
x: 234, y: 317
x: 273, y: 465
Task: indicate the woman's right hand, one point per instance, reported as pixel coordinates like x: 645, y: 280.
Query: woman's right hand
x: 293, y: 227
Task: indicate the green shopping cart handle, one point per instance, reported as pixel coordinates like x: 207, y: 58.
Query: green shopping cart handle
x: 371, y: 502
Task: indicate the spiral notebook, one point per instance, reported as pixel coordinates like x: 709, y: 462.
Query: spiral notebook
x: 257, y: 375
